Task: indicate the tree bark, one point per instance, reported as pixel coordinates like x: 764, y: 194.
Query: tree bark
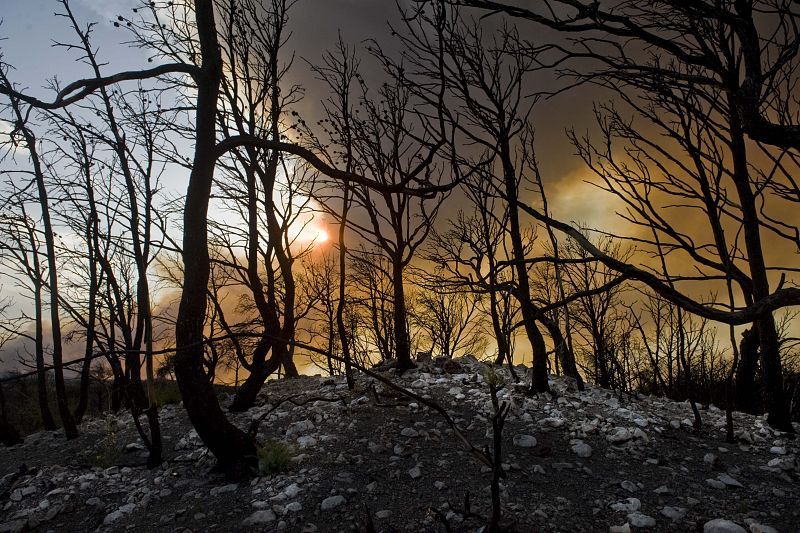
x: 232, y: 447
x: 401, y: 338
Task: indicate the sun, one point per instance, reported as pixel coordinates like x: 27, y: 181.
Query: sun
x: 321, y: 236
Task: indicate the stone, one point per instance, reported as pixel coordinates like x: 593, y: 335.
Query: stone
x: 619, y: 435
x: 729, y: 481
x: 710, y: 459
x: 715, y: 484
x: 264, y: 516
x: 332, y: 502
x: 551, y: 422
x: 630, y: 486
x: 13, y: 526
x: 112, y: 517
x: 624, y: 528
x: 224, y: 489
x: 778, y: 450
x: 581, y: 449
x: 305, y: 441
x: 755, y: 527
x: 409, y: 432
x: 720, y: 525
x: 415, y: 472
x: 524, y: 441
x: 641, y: 520
x: 298, y: 428
x: 628, y: 505
x: 294, y: 507
x: 673, y: 513
x: 383, y: 514
x: 292, y: 490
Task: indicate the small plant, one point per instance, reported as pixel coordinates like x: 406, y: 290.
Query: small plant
x: 109, y: 452
x: 494, y: 379
x: 273, y: 457
x: 166, y: 392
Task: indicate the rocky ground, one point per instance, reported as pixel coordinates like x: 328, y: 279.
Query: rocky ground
x: 579, y: 461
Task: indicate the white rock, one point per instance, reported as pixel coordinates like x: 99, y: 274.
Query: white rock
x: 551, y: 422
x: 755, y: 527
x: 298, y: 428
x: 628, y: 505
x: 305, y: 441
x: 674, y: 513
x: 524, y: 441
x: 719, y: 525
x: 224, y: 489
x: 332, y: 502
x: 641, y: 520
x: 778, y: 450
x: 294, y: 507
x: 415, y: 472
x: 112, y: 517
x: 729, y: 481
x: 619, y: 435
x: 409, y: 432
x: 292, y: 490
x: 624, y: 528
x: 581, y: 449
x: 264, y: 516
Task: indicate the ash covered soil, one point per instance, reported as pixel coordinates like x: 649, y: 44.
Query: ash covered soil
x: 576, y: 461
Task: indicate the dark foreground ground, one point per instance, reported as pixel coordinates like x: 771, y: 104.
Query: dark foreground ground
x: 584, y: 461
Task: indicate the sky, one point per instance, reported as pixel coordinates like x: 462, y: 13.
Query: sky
x: 30, y: 31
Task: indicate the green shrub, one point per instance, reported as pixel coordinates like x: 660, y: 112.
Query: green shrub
x: 109, y: 451
x: 166, y: 392
x: 273, y: 457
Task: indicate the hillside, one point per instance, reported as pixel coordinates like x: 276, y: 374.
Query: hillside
x: 576, y: 461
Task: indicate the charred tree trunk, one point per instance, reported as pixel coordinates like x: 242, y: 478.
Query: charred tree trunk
x: 746, y: 389
x: 231, y: 446
x: 778, y: 415
x: 401, y: 338
x: 41, y: 374
x: 523, y: 291
x: 67, y: 420
x: 563, y: 351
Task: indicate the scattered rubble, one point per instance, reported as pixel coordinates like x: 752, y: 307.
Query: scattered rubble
x: 574, y: 461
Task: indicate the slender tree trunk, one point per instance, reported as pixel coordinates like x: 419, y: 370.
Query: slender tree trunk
x: 747, y: 399
x: 232, y: 446
x: 563, y: 352
x: 41, y: 375
x: 340, y: 307
x: 401, y: 338
x: 523, y: 291
x: 67, y: 420
x: 778, y: 415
